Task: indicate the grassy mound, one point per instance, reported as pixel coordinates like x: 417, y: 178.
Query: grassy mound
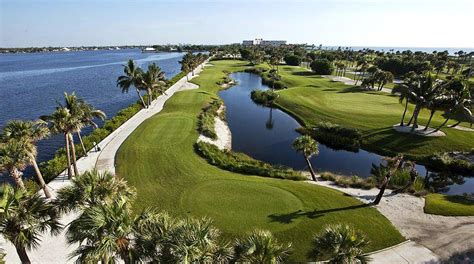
x: 449, y: 205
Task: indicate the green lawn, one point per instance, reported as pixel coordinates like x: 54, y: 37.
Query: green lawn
x: 312, y: 99
x: 159, y: 160
x: 449, y: 205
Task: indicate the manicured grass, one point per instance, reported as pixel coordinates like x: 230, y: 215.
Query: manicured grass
x: 159, y: 160
x: 449, y: 205
x: 312, y: 99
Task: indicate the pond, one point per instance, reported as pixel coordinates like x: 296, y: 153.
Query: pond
x: 267, y: 134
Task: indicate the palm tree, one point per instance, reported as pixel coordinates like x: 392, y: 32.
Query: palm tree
x: 63, y: 122
x: 404, y: 94
x: 195, y: 240
x: 153, y: 231
x: 28, y: 132
x: 187, y: 64
x: 261, y: 246
x: 92, y: 188
x: 82, y: 111
x: 342, y: 243
x: 132, y: 77
x: 459, y: 95
x: 153, y: 81
x: 309, y: 147
x: 274, y: 76
x: 421, y: 90
x: 393, y: 166
x: 14, y: 157
x: 103, y: 232
x: 383, y: 77
x: 24, y: 217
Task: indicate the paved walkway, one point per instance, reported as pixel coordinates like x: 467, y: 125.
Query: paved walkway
x: 54, y: 249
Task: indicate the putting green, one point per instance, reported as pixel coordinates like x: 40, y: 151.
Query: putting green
x: 245, y: 203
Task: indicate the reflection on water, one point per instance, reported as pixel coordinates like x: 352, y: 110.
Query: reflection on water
x: 267, y: 134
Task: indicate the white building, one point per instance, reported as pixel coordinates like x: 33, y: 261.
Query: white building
x: 261, y: 42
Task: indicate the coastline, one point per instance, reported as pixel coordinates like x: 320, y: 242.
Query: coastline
x: 104, y: 160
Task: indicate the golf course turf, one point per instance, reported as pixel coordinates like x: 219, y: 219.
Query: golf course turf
x: 312, y: 99
x: 448, y: 205
x: 159, y: 160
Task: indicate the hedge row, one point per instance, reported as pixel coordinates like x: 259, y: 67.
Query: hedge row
x: 241, y: 163
x: 266, y: 97
x: 336, y: 136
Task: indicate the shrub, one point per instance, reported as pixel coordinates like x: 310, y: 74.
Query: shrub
x: 206, y: 120
x: 445, y: 162
x: 349, y: 181
x: 272, y: 83
x: 255, y: 70
x: 322, y: 67
x: 293, y: 60
x: 336, y: 136
x: 264, y: 97
x: 241, y: 163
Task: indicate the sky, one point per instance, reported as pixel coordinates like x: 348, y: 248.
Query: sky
x: 374, y: 23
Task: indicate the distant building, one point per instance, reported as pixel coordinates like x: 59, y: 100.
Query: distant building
x: 148, y: 49
x: 261, y: 42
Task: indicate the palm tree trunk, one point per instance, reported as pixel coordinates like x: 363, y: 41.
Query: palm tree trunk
x: 442, y: 125
x: 141, y: 98
x: 15, y: 173
x: 454, y: 125
x: 22, y: 254
x: 73, y: 152
x: 411, y: 119
x: 310, y: 168
x: 404, y: 112
x: 68, y: 155
x: 429, y: 120
x: 105, y: 259
x: 39, y: 178
x: 386, y: 180
x: 149, y: 97
x: 415, y: 118
x: 82, y: 143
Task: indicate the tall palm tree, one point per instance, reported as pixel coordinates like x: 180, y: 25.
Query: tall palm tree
x: 14, y: 157
x: 274, y: 76
x: 460, y: 97
x: 421, y: 90
x: 403, y: 93
x: 309, y: 147
x: 342, y: 243
x: 63, y: 122
x: 104, y: 233
x: 132, y: 77
x: 187, y: 64
x: 24, y: 217
x: 28, y: 132
x: 82, y: 111
x: 261, y: 246
x: 153, y: 81
x: 92, y: 188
